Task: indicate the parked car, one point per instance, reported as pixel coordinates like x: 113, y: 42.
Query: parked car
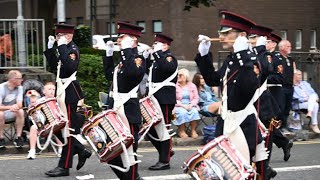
x: 99, y: 42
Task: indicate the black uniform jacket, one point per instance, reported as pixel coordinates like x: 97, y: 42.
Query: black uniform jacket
x: 267, y: 106
x: 164, y: 65
x: 130, y: 74
x: 287, y: 64
x: 242, y: 83
x: 70, y: 58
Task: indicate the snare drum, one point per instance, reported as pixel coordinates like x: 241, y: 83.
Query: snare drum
x: 218, y: 160
x: 46, y: 114
x: 151, y: 116
x: 107, y: 134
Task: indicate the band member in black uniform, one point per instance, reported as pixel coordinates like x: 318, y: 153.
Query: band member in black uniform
x: 268, y: 108
x: 275, y: 87
x: 130, y: 73
x: 164, y: 66
x: 237, y: 74
x: 68, y: 53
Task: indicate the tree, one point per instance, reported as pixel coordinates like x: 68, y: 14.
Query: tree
x: 196, y: 3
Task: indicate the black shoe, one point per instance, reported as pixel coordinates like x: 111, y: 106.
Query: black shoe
x: 172, y: 153
x: 57, y: 172
x: 82, y: 158
x: 286, y: 151
x: 2, y: 143
x: 139, y: 177
x: 18, y: 142
x: 271, y: 173
x: 160, y: 166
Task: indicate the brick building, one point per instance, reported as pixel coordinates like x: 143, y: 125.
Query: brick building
x: 297, y: 21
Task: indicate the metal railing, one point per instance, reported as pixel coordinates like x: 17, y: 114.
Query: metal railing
x: 34, y: 30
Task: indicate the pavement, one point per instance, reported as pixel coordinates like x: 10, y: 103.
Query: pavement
x: 302, y: 135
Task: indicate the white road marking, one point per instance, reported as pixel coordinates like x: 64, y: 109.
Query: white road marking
x: 185, y: 176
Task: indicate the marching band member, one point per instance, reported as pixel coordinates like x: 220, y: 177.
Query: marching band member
x: 68, y: 53
x: 129, y: 71
x: 268, y: 108
x: 164, y: 66
x: 275, y: 87
x: 239, y: 84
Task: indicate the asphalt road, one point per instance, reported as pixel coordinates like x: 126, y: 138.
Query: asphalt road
x: 303, y: 164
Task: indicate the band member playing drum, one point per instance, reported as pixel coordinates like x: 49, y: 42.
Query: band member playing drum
x: 129, y: 73
x: 164, y: 66
x: 238, y: 83
x: 68, y: 53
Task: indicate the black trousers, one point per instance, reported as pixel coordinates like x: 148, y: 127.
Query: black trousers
x: 73, y: 146
x: 287, y: 94
x: 132, y: 174
x: 163, y: 147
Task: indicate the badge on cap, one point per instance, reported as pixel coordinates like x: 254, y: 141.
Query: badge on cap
x: 169, y: 58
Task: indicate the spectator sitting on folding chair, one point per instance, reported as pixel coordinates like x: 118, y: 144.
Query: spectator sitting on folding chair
x: 305, y: 98
x: 208, y: 102
x: 11, y: 97
x: 186, y: 109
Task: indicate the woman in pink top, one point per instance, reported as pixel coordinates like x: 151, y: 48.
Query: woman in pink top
x: 186, y: 109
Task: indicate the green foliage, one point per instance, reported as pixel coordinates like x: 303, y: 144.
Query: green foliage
x: 89, y: 50
x: 92, y: 79
x: 196, y: 3
x: 82, y: 36
x: 35, y: 59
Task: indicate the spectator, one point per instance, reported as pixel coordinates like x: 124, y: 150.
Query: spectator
x: 207, y: 99
x: 48, y: 91
x: 6, y: 49
x: 11, y: 97
x: 186, y: 109
x: 306, y: 98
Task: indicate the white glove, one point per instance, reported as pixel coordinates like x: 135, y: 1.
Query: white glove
x: 203, y: 37
x: 262, y: 40
x: 51, y: 40
x: 127, y: 42
x: 146, y: 53
x: 240, y: 44
x: 62, y: 40
x: 204, y: 45
x: 109, y: 48
x: 158, y: 47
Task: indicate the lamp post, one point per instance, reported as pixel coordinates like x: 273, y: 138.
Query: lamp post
x: 21, y: 37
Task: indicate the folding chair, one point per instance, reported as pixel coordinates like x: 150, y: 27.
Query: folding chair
x: 10, y: 129
x: 298, y: 112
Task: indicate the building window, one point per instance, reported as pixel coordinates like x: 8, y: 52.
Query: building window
x: 112, y: 29
x: 79, y: 21
x: 157, y: 26
x: 142, y: 24
x: 283, y: 34
x: 68, y: 21
x: 298, y: 39
x: 313, y: 39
